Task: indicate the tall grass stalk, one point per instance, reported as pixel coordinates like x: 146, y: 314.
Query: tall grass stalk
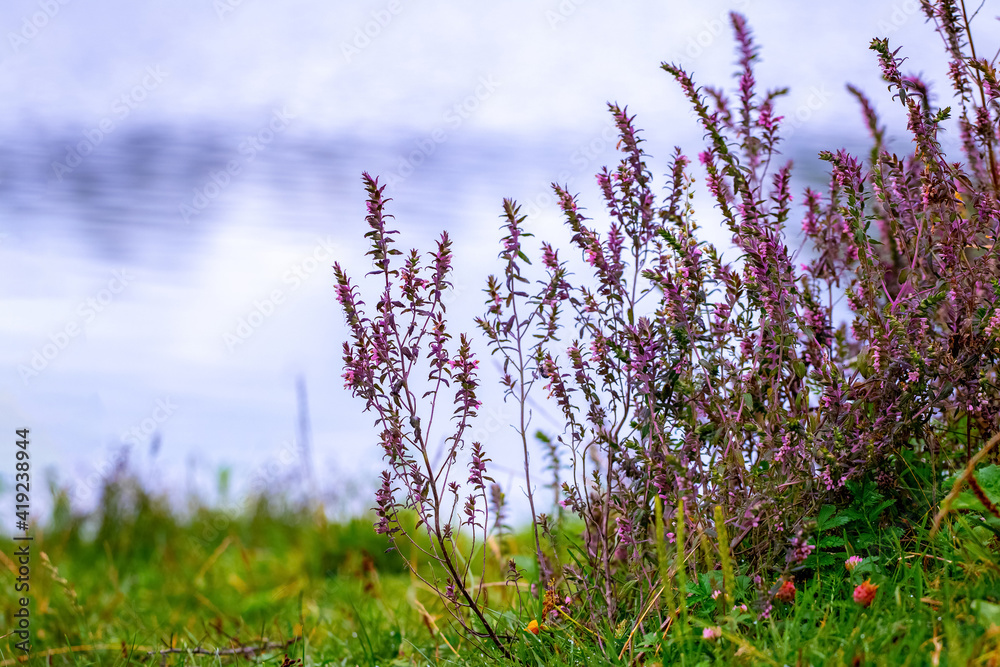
x: 728, y: 578
x: 682, y: 628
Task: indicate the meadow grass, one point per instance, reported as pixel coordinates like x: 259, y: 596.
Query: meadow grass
x: 741, y: 479
x: 281, y: 583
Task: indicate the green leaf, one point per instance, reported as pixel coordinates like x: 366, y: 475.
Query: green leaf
x: 849, y: 515
x: 989, y: 481
x: 827, y: 520
x: 988, y: 613
x: 529, y: 565
x: 865, y: 540
x: 826, y: 559
x: 993, y: 524
x: 878, y: 510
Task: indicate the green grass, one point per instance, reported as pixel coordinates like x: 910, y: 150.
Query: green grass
x: 137, y: 577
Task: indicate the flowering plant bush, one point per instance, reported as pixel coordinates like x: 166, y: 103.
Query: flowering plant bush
x: 689, y: 378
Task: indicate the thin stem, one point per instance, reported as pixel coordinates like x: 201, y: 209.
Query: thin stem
x: 982, y: 96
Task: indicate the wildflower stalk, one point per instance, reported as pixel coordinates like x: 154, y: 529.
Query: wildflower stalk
x: 682, y: 628
x: 728, y: 578
x: 379, y: 362
x: 666, y: 580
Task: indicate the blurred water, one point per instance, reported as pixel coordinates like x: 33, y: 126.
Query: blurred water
x: 160, y: 299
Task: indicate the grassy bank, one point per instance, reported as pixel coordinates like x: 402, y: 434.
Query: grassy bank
x: 280, y: 584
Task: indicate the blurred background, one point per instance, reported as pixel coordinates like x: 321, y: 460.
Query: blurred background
x: 177, y: 178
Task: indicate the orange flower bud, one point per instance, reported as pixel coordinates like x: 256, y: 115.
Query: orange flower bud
x: 787, y: 592
x: 864, y: 594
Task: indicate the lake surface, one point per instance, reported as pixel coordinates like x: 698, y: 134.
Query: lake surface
x: 167, y: 295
